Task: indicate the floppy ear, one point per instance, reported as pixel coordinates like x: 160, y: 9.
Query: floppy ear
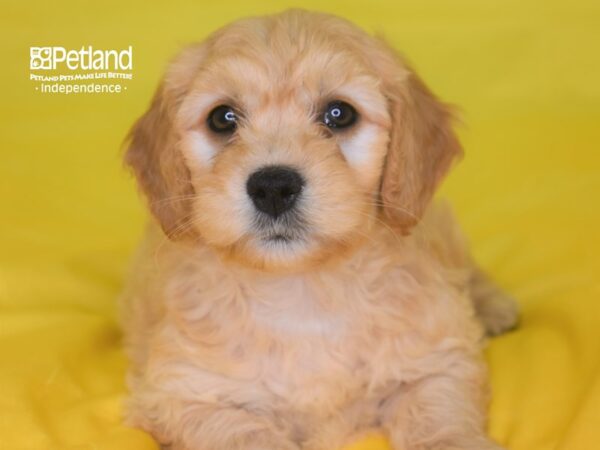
x: 159, y: 166
x: 153, y: 152
x: 421, y: 150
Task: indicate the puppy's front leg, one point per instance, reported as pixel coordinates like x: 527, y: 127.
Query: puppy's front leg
x: 441, y: 412
x: 210, y: 427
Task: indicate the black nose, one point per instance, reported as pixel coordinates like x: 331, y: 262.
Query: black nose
x: 274, y: 189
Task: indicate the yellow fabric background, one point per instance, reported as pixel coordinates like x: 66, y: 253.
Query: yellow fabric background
x: 527, y: 77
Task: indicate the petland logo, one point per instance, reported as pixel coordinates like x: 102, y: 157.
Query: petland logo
x: 56, y: 70
x: 86, y: 58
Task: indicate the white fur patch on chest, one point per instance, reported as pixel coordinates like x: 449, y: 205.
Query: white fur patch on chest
x: 294, y: 307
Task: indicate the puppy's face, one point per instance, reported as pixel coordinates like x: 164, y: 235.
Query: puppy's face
x: 280, y: 141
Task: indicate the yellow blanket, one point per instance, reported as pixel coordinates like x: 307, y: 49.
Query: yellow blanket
x: 527, y: 77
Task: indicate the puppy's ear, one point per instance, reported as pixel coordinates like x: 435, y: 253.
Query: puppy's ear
x: 153, y: 152
x: 421, y: 149
x: 159, y: 166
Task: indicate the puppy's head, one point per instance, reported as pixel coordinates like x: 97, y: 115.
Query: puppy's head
x: 281, y: 140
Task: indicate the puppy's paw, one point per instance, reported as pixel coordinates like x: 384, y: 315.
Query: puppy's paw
x: 268, y: 441
x: 254, y: 440
x: 482, y: 443
x: 498, y: 311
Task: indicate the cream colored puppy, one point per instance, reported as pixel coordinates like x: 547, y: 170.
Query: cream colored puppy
x: 296, y: 293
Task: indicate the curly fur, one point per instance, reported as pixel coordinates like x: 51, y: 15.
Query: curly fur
x: 370, y: 321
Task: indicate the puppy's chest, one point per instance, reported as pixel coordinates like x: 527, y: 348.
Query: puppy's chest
x: 306, y: 342
x: 311, y: 349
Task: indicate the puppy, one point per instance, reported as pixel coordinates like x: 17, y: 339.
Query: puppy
x: 294, y: 290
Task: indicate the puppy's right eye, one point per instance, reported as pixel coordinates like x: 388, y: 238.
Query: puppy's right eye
x: 222, y: 119
x: 339, y: 115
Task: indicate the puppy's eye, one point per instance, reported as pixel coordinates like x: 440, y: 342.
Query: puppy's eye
x: 222, y: 119
x: 339, y: 114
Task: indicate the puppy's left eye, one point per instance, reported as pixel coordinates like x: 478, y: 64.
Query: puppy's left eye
x: 222, y: 119
x: 339, y: 114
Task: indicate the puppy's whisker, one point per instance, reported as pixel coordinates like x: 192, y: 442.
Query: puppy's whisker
x: 381, y: 222
x: 392, y: 206
x: 173, y: 234
x: 365, y: 235
x: 174, y: 199
x: 176, y: 232
x: 395, y: 207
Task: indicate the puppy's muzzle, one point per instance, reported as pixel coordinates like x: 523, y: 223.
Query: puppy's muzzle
x: 274, y: 189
